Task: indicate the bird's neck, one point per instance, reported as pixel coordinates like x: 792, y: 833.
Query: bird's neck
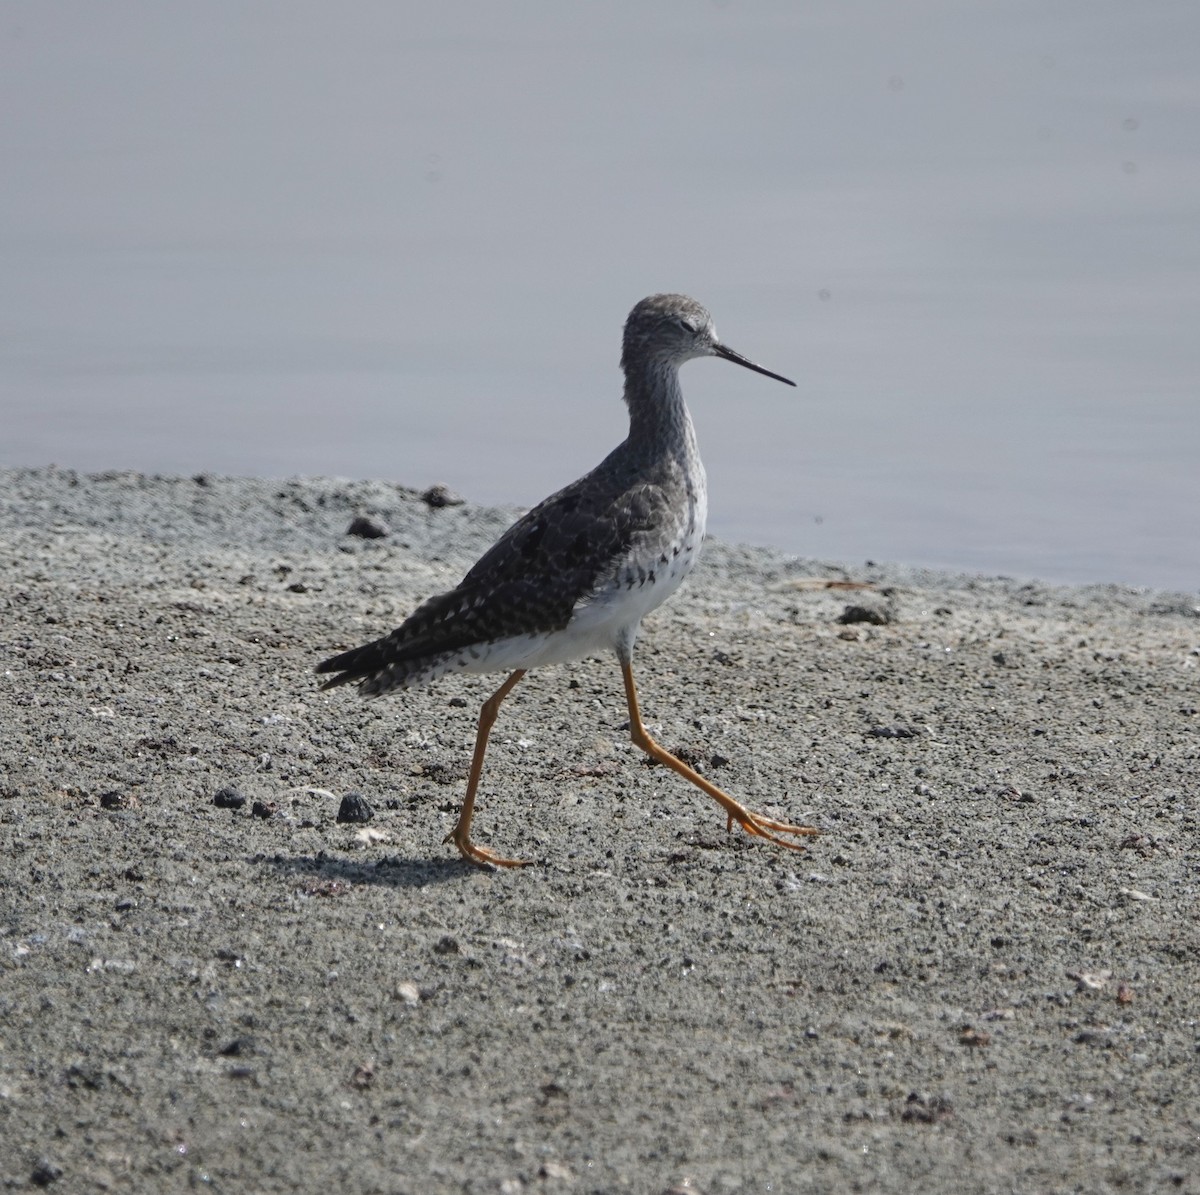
x: 659, y: 422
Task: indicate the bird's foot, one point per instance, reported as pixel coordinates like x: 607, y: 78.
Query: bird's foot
x: 768, y: 828
x: 481, y: 854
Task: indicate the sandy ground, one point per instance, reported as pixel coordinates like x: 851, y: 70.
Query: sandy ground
x: 982, y: 977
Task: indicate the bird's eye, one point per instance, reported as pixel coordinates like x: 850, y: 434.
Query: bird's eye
x: 688, y: 326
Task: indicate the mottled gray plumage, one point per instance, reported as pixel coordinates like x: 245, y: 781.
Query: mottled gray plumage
x: 531, y: 580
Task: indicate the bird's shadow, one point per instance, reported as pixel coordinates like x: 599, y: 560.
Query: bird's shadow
x: 316, y: 871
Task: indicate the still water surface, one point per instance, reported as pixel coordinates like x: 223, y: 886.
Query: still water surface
x: 400, y: 241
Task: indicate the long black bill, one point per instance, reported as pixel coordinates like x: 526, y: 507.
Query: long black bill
x: 738, y: 359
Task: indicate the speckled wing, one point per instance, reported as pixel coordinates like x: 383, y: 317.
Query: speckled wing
x: 528, y: 582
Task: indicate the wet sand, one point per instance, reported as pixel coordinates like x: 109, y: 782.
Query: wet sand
x: 981, y: 977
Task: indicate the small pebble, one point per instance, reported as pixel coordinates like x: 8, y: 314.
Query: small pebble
x: 872, y: 614
x: 354, y: 808
x: 45, y: 1172
x: 263, y: 809
x: 441, y: 495
x: 228, y: 798
x: 366, y: 527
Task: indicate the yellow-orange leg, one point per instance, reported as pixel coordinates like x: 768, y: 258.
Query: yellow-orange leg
x: 752, y: 823
x: 461, y: 834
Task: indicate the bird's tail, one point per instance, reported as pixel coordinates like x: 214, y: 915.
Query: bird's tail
x: 356, y: 665
x: 380, y: 667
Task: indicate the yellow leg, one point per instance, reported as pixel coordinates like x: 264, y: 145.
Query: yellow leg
x: 752, y: 823
x: 461, y: 834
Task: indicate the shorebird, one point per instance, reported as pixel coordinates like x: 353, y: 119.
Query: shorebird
x: 576, y: 575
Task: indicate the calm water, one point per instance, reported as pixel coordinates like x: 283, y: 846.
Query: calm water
x: 400, y: 241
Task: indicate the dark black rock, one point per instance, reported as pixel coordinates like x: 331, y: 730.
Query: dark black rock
x: 44, y: 1173
x: 871, y: 614
x: 228, y: 798
x: 354, y: 808
x: 366, y: 527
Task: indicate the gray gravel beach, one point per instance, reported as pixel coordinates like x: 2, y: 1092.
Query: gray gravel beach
x: 981, y: 977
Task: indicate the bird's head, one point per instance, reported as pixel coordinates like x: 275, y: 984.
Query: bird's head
x: 672, y: 329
